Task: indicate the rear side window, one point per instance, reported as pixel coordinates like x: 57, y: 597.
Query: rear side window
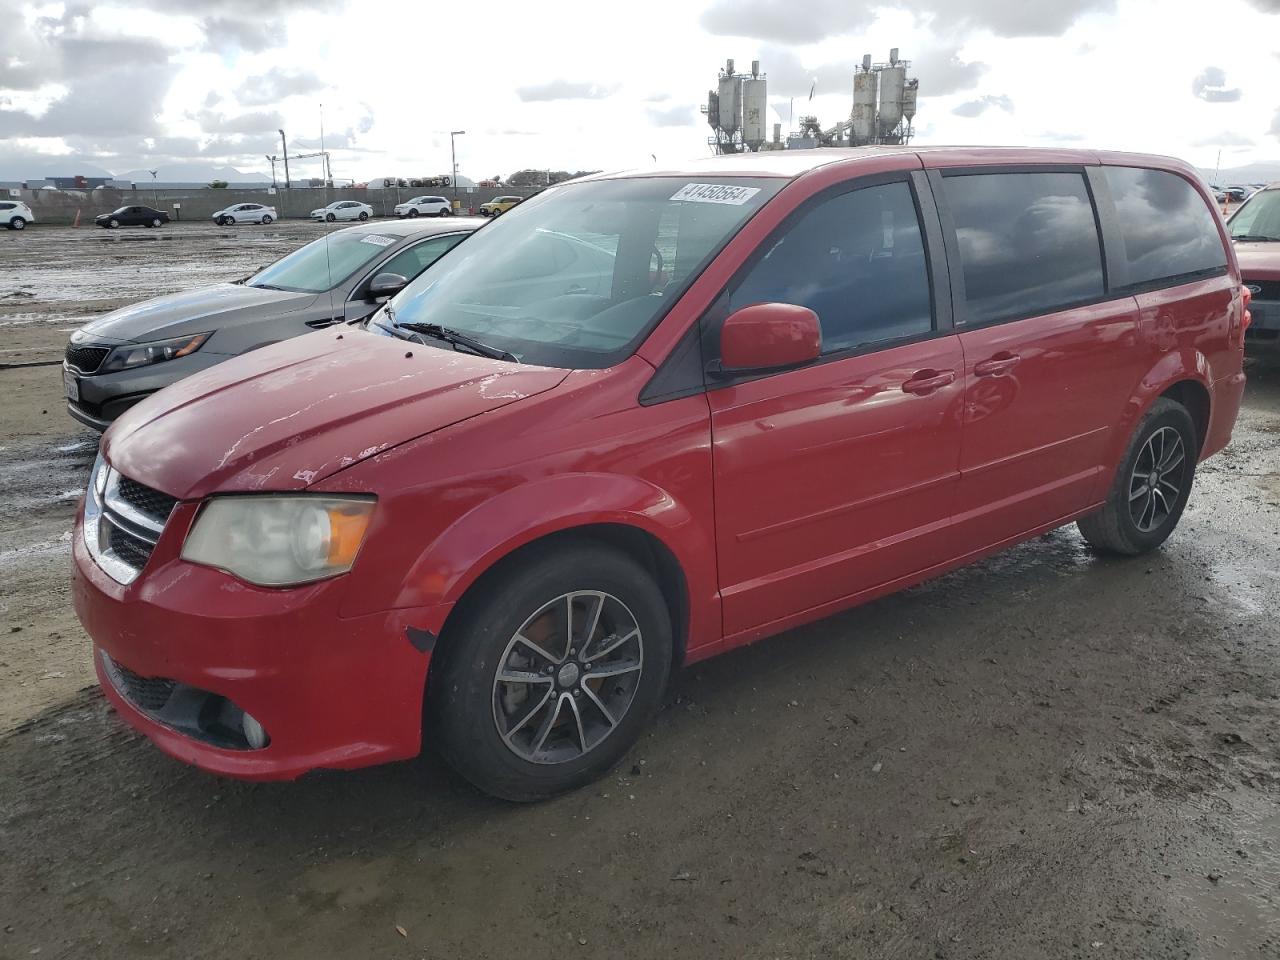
x: 1028, y: 243
x: 1166, y: 228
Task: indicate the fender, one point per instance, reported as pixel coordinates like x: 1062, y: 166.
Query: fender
x: 494, y: 529
x: 1188, y: 363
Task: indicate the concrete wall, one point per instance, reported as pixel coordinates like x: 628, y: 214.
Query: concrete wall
x: 61, y: 206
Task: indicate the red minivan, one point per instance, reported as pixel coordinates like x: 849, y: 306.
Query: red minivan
x: 642, y: 419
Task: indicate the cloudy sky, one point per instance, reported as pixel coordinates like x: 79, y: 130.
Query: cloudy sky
x: 155, y: 83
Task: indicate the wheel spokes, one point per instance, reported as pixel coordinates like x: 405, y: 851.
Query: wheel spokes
x: 522, y: 639
x: 615, y: 669
x: 528, y: 716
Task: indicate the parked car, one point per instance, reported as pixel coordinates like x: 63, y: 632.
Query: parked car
x: 424, y: 207
x: 116, y: 360
x: 542, y: 478
x: 1237, y: 194
x: 245, y: 213
x: 1255, y: 229
x: 498, y: 205
x: 343, y: 210
x: 132, y: 216
x: 15, y: 214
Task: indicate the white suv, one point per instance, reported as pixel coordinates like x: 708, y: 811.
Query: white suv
x: 424, y: 207
x: 15, y: 214
x: 244, y: 213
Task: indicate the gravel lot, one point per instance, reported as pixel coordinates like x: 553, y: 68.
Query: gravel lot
x: 1048, y: 755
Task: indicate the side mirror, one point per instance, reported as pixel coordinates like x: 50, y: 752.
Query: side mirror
x: 386, y: 285
x: 769, y: 336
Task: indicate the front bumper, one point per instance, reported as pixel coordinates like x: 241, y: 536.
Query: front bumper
x: 104, y: 397
x: 331, y: 692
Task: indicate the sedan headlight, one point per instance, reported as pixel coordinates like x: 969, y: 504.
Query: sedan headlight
x: 131, y: 355
x: 277, y: 541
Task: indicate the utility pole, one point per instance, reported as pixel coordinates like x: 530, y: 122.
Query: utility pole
x: 324, y: 157
x: 284, y: 149
x: 453, y: 155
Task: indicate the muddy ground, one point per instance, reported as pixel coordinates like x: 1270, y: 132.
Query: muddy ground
x: 1049, y: 755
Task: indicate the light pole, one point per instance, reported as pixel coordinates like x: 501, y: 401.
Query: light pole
x: 284, y: 149
x: 155, y: 196
x: 453, y: 156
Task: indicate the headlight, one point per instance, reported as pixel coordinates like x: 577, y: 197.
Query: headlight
x: 277, y: 541
x: 140, y: 354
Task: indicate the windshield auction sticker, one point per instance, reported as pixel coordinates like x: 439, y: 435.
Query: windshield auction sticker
x: 378, y: 240
x: 715, y: 193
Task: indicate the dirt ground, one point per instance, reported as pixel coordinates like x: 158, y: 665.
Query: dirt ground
x: 1048, y: 755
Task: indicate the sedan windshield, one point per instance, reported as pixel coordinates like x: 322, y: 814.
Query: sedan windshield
x: 1259, y: 218
x: 322, y: 264
x: 578, y: 275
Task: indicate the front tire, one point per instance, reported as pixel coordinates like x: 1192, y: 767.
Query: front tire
x: 550, y: 671
x: 156, y: 222
x: 329, y: 218
x: 114, y: 224
x: 1151, y: 486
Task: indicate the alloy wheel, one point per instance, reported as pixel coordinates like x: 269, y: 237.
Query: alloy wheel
x: 1157, y: 479
x: 567, y: 677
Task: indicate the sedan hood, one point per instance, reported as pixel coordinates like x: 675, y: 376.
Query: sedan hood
x: 292, y: 414
x: 194, y: 311
x: 1258, y: 261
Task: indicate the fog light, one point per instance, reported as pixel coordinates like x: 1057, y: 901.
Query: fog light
x: 253, y: 732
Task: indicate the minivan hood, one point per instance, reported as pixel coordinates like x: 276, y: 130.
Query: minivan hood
x: 195, y: 311
x: 1258, y: 261
x: 289, y: 415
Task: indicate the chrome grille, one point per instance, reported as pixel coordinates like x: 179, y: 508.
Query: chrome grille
x: 1267, y: 289
x: 123, y: 520
x: 86, y: 359
x: 151, y: 503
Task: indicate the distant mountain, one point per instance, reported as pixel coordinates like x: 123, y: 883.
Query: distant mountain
x: 34, y: 168
x: 1238, y: 176
x: 194, y: 173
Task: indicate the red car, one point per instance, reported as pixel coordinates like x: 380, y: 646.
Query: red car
x: 1255, y: 228
x: 643, y: 419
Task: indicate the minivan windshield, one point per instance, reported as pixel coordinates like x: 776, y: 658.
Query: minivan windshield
x: 1258, y: 219
x: 322, y: 264
x: 578, y: 275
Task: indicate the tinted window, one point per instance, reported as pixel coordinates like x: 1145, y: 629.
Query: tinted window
x: 1166, y: 228
x: 7, y: 206
x: 323, y: 263
x: 1028, y: 243
x: 857, y: 261
x: 411, y: 262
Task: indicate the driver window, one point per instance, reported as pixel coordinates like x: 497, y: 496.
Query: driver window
x: 856, y: 260
x: 411, y: 262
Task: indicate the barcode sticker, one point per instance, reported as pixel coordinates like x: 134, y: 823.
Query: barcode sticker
x: 378, y: 240
x: 715, y: 193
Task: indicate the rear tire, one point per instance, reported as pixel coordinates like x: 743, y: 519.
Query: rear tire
x: 364, y: 215
x: 156, y: 222
x: 1151, y: 486
x: 267, y: 218
x: 595, y: 677
x: 17, y: 223
x: 445, y: 212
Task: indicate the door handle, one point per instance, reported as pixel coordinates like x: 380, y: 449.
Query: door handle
x: 999, y: 364
x: 926, y: 381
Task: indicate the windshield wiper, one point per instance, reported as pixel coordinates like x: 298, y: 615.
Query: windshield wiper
x: 1254, y: 236
x: 437, y: 332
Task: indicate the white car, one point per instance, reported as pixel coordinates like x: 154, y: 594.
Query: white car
x: 245, y: 213
x: 343, y: 210
x: 424, y: 207
x: 15, y: 214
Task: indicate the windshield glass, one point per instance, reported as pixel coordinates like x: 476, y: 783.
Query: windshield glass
x: 578, y: 275
x: 324, y: 263
x: 116, y: 213
x: 1259, y: 218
